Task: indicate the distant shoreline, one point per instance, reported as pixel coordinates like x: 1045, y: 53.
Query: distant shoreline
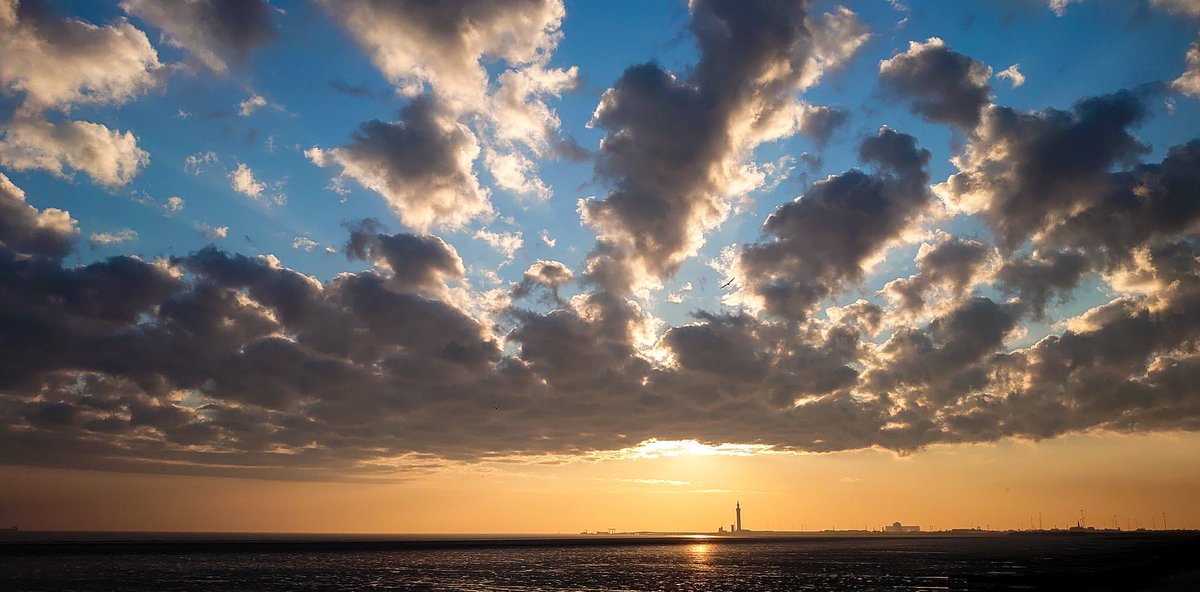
x: 27, y: 543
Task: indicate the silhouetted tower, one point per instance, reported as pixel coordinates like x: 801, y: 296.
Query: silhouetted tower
x: 739, y: 515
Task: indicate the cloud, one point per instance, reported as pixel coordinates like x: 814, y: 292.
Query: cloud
x: 1190, y: 8
x: 417, y: 262
x: 505, y: 243
x: 949, y: 268
x: 519, y: 111
x: 1012, y: 74
x: 354, y: 90
x: 1023, y: 171
x: 304, y: 243
x: 550, y: 275
x: 943, y: 362
x: 420, y: 164
x: 1188, y: 83
x: 943, y: 85
x: 212, y: 232
x: 1066, y: 183
x: 674, y: 148
x: 678, y: 296
x: 819, y: 123
x: 113, y: 238
x: 1060, y: 6
x: 1041, y: 276
x: 822, y: 240
x: 226, y: 364
x: 250, y: 105
x: 60, y: 62
x: 215, y: 363
x: 196, y: 163
x: 443, y: 46
x: 214, y: 32
x: 25, y: 229
x: 109, y: 157
x: 242, y: 180
x: 517, y: 173
x: 53, y: 64
x: 442, y: 49
x: 174, y: 203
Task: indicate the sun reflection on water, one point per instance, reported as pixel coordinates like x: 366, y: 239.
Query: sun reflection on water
x: 699, y: 554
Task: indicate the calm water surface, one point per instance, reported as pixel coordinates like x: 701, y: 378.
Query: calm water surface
x: 880, y: 564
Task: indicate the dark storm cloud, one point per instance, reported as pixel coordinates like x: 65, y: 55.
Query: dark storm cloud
x: 416, y: 262
x: 673, y: 145
x: 942, y: 84
x: 738, y: 354
x: 1067, y: 183
x: 1141, y: 205
x: 952, y: 263
x: 214, y: 32
x: 216, y: 363
x: 23, y: 229
x: 421, y: 164
x: 1023, y: 171
x: 819, y: 242
x: 944, y: 361
x: 1042, y: 276
x: 1123, y: 367
x: 220, y: 363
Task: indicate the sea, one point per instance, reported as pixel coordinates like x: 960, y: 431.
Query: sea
x: 63, y: 562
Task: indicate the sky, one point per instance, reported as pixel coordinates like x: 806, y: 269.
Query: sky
x: 552, y: 266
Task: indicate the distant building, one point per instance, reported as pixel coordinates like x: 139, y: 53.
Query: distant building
x: 739, y: 516
x: 896, y: 527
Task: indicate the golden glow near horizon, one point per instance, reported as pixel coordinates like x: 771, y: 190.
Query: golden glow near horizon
x: 669, y: 486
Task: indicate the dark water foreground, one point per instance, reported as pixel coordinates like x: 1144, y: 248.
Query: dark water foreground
x: 175, y: 563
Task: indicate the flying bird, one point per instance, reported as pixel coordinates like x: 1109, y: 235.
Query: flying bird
x: 726, y: 284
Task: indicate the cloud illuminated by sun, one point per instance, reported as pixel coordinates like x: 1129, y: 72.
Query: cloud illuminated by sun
x: 655, y: 448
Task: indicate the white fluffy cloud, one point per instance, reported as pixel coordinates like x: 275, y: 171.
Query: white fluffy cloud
x: 1189, y: 82
x: 212, y: 232
x: 108, y: 156
x: 304, y: 243
x: 443, y: 45
x: 1012, y: 74
x: 442, y: 49
x: 505, y: 243
x: 1060, y: 6
x: 250, y: 105
x: 55, y: 63
x: 58, y: 62
x: 242, y: 180
x: 113, y: 238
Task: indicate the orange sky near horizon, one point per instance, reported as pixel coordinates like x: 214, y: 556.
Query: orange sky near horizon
x: 1003, y: 485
